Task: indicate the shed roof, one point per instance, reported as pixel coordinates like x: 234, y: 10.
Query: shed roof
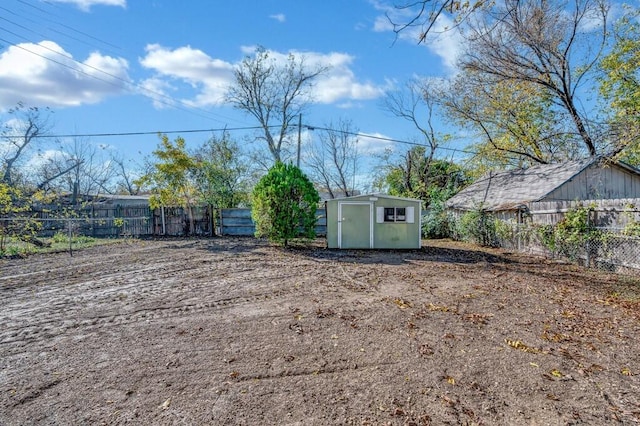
x: 511, y: 189
x: 379, y: 195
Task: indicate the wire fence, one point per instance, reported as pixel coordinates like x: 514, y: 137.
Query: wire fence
x: 602, y: 248
x: 75, y: 232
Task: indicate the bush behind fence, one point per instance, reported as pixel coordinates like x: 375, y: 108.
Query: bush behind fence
x: 596, y: 233
x: 602, y: 248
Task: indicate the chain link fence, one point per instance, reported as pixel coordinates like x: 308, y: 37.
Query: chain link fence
x: 18, y: 235
x: 603, y: 248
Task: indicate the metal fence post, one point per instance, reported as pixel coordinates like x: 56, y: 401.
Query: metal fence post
x: 518, y: 220
x: 588, y: 242
x: 588, y: 248
x: 70, y: 237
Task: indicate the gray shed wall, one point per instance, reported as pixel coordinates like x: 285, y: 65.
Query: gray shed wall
x: 595, y: 182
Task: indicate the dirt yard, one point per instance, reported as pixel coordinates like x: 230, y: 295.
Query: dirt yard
x: 234, y: 331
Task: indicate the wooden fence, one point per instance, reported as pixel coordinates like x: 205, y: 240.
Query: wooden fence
x: 140, y: 221
x: 238, y: 222
x: 614, y: 214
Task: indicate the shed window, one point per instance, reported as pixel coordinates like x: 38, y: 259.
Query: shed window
x: 395, y: 214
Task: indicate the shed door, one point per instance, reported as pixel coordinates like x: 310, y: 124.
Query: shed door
x: 355, y: 225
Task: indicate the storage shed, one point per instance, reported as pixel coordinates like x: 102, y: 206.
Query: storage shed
x: 374, y: 221
x: 509, y: 193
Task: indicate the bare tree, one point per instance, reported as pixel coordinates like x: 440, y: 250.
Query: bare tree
x: 332, y: 161
x: 423, y: 14
x: 94, y: 172
x: 273, y: 93
x: 417, y: 104
x: 19, y: 134
x: 124, y: 176
x: 78, y: 168
x: 542, y: 44
x: 54, y: 169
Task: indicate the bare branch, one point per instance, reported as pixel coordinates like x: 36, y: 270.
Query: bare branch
x: 274, y: 94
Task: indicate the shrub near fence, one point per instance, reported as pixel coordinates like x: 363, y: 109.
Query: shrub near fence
x: 602, y: 248
x: 595, y: 233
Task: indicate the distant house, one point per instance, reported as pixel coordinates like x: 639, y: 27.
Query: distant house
x: 509, y: 193
x: 66, y: 198
x: 325, y: 195
x: 374, y: 221
x: 121, y: 200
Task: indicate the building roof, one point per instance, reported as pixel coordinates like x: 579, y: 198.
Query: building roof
x: 511, y: 189
x: 378, y: 195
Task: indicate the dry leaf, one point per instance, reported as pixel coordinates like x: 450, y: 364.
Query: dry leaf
x: 517, y: 344
x: 402, y: 304
x: 555, y: 373
x: 166, y: 404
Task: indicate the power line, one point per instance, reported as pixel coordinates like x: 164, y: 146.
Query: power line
x: 158, y: 132
x: 382, y: 138
x: 88, y: 36
x: 145, y: 91
x: 172, y: 102
x: 233, y: 129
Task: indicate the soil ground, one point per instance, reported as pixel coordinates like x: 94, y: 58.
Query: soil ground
x: 235, y: 331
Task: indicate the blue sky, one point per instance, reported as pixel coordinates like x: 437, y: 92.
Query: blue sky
x: 118, y: 66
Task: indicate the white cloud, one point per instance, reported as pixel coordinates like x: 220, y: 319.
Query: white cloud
x: 392, y: 15
x: 340, y: 82
x: 41, y: 158
x: 445, y: 42
x: 593, y: 20
x: 86, y: 5
x: 373, y: 143
x: 158, y: 90
x: 280, y: 17
x: 208, y: 76
x: 382, y: 24
x: 44, y: 74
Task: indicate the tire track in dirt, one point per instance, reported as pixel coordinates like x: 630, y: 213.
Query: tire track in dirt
x: 153, y: 285
x: 45, y: 263
x: 34, y: 321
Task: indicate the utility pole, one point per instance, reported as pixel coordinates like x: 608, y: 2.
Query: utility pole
x: 355, y: 157
x: 299, y: 138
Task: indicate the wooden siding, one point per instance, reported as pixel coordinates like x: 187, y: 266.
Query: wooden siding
x: 595, y: 182
x: 576, y: 180
x: 605, y: 213
x: 612, y: 214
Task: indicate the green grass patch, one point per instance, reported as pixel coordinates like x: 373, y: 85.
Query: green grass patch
x: 14, y: 247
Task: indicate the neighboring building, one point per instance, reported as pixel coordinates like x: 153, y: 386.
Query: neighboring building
x: 65, y: 198
x: 121, y: 200
x: 508, y: 194
x: 325, y: 195
x: 375, y: 221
